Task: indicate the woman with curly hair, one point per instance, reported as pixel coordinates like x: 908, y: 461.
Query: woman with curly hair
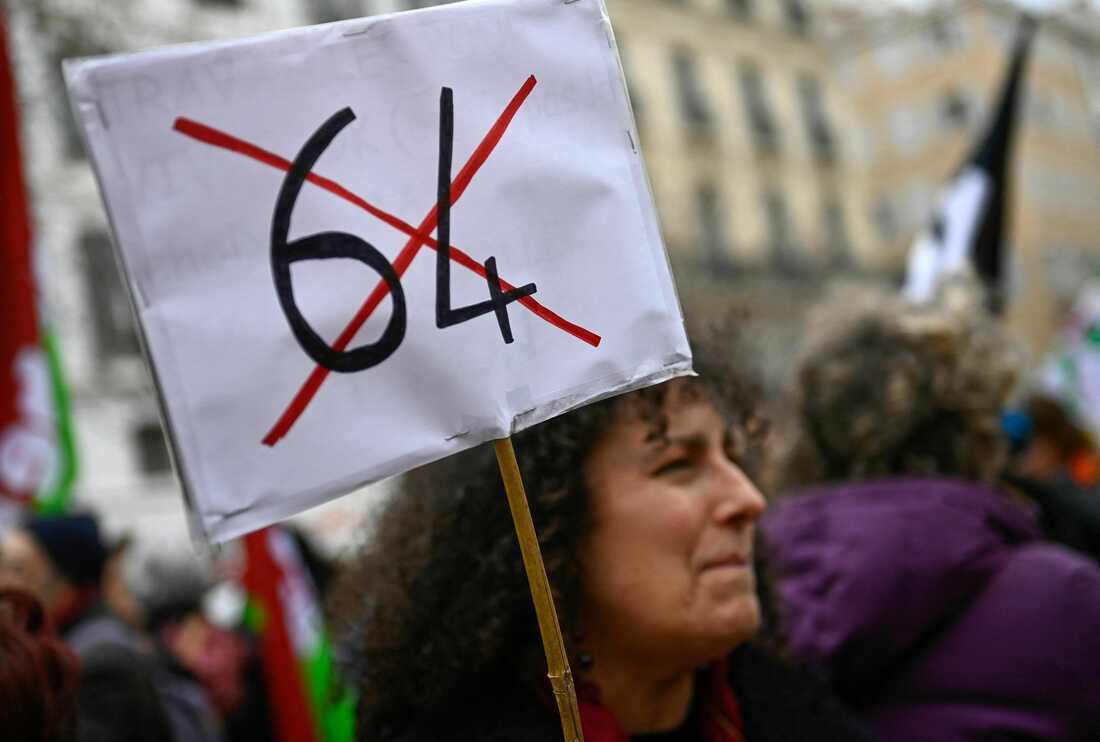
x: 900, y: 566
x: 645, y: 517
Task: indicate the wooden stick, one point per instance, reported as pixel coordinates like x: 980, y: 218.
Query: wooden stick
x: 557, y: 663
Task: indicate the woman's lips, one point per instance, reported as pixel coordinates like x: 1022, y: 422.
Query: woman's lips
x: 732, y: 561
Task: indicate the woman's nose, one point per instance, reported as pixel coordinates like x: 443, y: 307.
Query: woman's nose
x: 737, y: 498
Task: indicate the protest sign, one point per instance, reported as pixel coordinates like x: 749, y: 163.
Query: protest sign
x: 272, y: 199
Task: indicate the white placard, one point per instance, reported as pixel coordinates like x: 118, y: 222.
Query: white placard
x: 216, y: 199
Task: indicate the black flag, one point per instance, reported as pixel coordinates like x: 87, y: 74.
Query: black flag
x: 968, y: 226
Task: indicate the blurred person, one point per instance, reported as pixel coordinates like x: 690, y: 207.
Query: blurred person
x: 38, y: 674
x: 198, y: 667
x: 1055, y: 463
x: 645, y: 516
x: 899, y: 566
x: 117, y: 596
x: 1056, y: 447
x: 119, y: 699
x: 60, y: 560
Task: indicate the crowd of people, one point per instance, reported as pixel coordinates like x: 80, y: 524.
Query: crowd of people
x: 903, y: 547
x: 100, y: 643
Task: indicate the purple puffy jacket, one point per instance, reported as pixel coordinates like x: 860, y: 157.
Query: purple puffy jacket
x: 937, y: 612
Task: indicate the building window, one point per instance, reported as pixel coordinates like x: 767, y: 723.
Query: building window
x: 329, y: 11
x: 765, y: 133
x: 740, y: 9
x: 693, y: 104
x: 818, y: 130
x: 111, y: 314
x: 945, y: 33
x: 152, y: 449
x: 798, y: 16
x: 897, y: 56
x: 712, y: 236
x: 886, y: 220
x: 954, y: 109
x: 779, y: 230
x: 910, y: 127
x: 837, y: 247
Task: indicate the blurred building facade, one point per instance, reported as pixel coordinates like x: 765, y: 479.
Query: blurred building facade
x: 747, y: 140
x: 744, y: 134
x: 922, y: 84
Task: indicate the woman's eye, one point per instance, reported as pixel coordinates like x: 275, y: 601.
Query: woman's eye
x: 673, y: 467
x: 735, y: 446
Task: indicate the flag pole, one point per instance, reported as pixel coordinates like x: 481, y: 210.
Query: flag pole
x: 557, y: 663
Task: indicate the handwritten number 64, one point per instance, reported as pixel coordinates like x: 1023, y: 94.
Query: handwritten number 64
x: 327, y: 245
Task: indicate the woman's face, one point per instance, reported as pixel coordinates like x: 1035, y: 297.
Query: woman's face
x: 667, y: 567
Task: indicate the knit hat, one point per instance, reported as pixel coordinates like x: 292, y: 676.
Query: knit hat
x: 169, y: 586
x: 73, y: 545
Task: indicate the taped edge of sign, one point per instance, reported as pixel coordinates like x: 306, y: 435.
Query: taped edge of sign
x: 98, y: 104
x: 356, y: 31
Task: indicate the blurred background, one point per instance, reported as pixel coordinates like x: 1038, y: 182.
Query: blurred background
x: 790, y: 144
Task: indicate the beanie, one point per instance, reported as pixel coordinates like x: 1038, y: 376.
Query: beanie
x: 73, y: 545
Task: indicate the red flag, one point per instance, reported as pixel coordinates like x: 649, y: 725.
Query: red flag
x: 37, y: 455
x: 267, y: 582
x: 20, y: 458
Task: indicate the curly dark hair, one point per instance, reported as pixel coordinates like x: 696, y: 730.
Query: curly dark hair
x: 436, y: 606
x: 891, y: 389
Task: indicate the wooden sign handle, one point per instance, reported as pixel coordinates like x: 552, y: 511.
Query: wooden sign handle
x: 557, y: 663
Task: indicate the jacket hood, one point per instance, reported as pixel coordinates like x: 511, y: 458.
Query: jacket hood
x: 864, y: 572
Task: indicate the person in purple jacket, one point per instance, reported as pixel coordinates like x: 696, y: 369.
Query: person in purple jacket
x: 923, y: 590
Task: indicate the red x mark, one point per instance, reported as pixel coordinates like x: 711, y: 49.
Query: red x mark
x: 418, y: 237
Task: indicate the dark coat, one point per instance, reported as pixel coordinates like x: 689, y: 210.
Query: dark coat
x: 778, y: 704
x: 118, y: 700
x: 1068, y: 513
x: 937, y: 611
x: 127, y: 691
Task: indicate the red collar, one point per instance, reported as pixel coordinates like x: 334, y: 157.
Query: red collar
x: 716, y: 708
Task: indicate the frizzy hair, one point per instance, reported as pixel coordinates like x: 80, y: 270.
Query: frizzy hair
x: 436, y: 606
x: 888, y: 388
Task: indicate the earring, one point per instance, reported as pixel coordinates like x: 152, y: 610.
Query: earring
x: 584, y: 657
